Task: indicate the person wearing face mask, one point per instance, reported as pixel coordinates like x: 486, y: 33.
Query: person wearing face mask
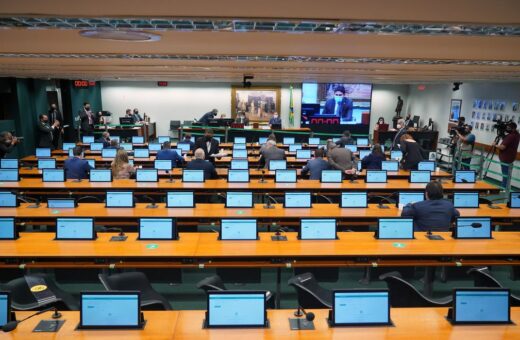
x: 380, y: 121
x: 275, y: 119
x: 401, y: 130
x: 136, y: 116
x: 7, y: 143
x: 55, y: 115
x: 87, y: 120
x: 339, y: 106
x: 507, y: 150
x: 46, y: 132
x: 208, y: 144
x: 204, y: 120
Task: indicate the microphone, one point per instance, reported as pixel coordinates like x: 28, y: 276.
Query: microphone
x: 152, y: 205
x: 305, y: 324
x: 381, y: 205
x: 118, y: 238
x: 353, y: 178
x: 221, y: 195
x: 262, y: 180
x: 324, y: 197
x: 476, y: 225
x: 464, y: 180
x: 170, y: 176
x: 11, y: 325
x: 278, y: 235
x: 35, y: 201
x: 268, y: 204
x: 433, y: 237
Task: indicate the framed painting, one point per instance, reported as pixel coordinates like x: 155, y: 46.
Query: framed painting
x: 455, y: 109
x: 258, y: 103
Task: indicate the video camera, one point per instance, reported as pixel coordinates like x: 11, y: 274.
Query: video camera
x: 460, y: 128
x: 501, y: 126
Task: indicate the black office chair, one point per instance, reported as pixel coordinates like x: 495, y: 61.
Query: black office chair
x: 310, y: 293
x: 404, y: 294
x: 150, y: 299
x: 23, y: 299
x: 482, y: 277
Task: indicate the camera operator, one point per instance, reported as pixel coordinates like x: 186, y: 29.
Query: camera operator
x: 507, y: 150
x: 466, y: 143
x: 454, y: 136
x: 7, y: 143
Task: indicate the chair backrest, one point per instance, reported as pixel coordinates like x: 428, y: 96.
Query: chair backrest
x: 483, y: 278
x: 211, y: 283
x: 20, y: 291
x: 310, y: 293
x: 126, y: 281
x: 175, y: 124
x: 404, y: 294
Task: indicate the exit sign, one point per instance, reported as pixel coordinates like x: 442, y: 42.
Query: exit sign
x: 162, y: 83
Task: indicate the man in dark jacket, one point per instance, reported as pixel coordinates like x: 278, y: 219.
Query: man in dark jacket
x: 46, y: 132
x: 208, y: 144
x: 55, y: 115
x: 339, y: 105
x: 76, y: 167
x: 200, y: 164
x: 87, y: 120
x: 316, y: 166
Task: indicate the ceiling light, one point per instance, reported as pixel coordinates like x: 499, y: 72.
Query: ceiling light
x: 120, y: 35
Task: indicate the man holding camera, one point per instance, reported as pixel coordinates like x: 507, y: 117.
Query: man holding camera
x: 507, y: 150
x: 466, y: 142
x: 7, y: 143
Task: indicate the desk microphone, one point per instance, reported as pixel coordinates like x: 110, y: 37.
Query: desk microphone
x: 299, y: 324
x: 11, y: 325
x: 381, y: 205
x: 120, y: 237
x: 464, y: 180
x: 431, y: 236
x: 278, y: 235
x: 262, y: 179
x: 324, y: 197
x: 152, y: 205
x: 353, y: 178
x: 170, y: 177
x: 35, y: 201
x: 268, y: 199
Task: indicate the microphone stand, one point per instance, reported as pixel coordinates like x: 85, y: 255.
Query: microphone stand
x: 381, y: 205
x: 268, y: 204
x: 262, y: 180
x: 11, y: 325
x: 299, y: 324
x: 278, y: 235
x: 120, y: 237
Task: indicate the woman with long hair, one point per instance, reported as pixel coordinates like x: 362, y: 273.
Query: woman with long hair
x: 121, y: 168
x: 374, y: 159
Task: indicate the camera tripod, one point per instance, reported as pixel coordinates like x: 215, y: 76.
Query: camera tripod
x: 491, y: 152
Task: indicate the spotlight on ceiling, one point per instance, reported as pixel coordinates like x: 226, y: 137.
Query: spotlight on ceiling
x: 456, y: 86
x: 246, y: 82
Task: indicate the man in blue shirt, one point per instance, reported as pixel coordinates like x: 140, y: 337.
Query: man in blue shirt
x: 168, y: 154
x: 187, y: 140
x: 436, y: 213
x: 316, y: 166
x: 199, y: 163
x: 275, y: 119
x: 76, y: 167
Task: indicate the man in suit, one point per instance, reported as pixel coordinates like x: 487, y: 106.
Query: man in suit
x: 340, y: 158
x: 168, y: 154
x: 315, y: 166
x: 55, y: 115
x: 46, y: 132
x: 401, y: 130
x: 436, y: 213
x: 275, y: 119
x: 87, y: 120
x: 208, y: 144
x: 136, y: 116
x: 187, y: 140
x: 270, y: 152
x: 105, y: 139
x: 346, y: 139
x: 200, y: 164
x: 339, y: 105
x: 242, y: 119
x: 204, y: 120
x: 76, y: 167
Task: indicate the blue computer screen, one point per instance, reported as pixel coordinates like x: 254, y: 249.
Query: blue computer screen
x: 288, y: 140
x: 277, y: 164
x: 362, y: 141
x: 262, y: 140
x: 390, y: 165
x: 351, y: 147
x: 239, y: 153
x: 239, y: 140
x: 239, y: 199
x: 53, y: 175
x: 473, y: 227
x: 7, y: 199
x: 376, y: 176
x: 353, y: 199
x: 185, y: 147
x: 74, y: 228
x: 9, y: 175
x: 420, y: 176
x: 180, y: 199
x: 156, y: 228
x: 464, y: 176
x: 239, y: 146
x: 514, y: 200
x: 465, y: 200
x: 193, y: 175
x: 361, y: 307
x: 60, y: 203
x: 481, y: 306
x: 70, y: 153
x: 318, y: 229
x: 303, y: 154
x: 100, y: 175
x: 162, y: 164
x: 46, y: 163
x: 137, y: 139
x: 243, y: 229
x: 4, y: 309
x: 395, y: 228
x: 314, y: 141
x: 87, y: 139
x: 297, y: 200
x: 332, y: 176
x: 116, y: 138
x: 96, y: 146
x: 294, y: 147
x: 245, y: 309
x: 154, y: 146
x: 108, y: 153
x: 285, y: 176
x: 396, y: 154
x: 119, y: 199
x: 141, y: 153
x: 410, y: 197
x: 67, y: 146
x: 162, y: 139
x: 105, y: 310
x: 426, y: 165
x: 146, y: 175
x: 239, y: 164
x: 8, y: 163
x: 238, y: 176
x: 43, y: 152
x: 364, y: 153
x: 126, y: 146
x: 6, y: 229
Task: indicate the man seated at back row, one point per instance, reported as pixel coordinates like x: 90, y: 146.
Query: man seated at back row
x: 76, y: 167
x: 168, y: 154
x: 435, y: 213
x: 271, y: 152
x: 316, y: 166
x: 340, y: 158
x: 200, y: 164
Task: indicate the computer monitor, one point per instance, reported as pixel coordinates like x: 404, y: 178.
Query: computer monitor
x: 239, y: 146
x: 9, y: 163
x: 96, y: 146
x: 8, y: 230
x: 43, y: 152
x: 351, y: 147
x: 362, y: 141
x: 335, y: 139
x: 236, y: 309
x: 288, y: 140
x: 120, y: 199
x: 100, y: 175
x: 110, y: 310
x: 314, y: 141
x: 5, y: 308
x: 331, y: 176
x: 239, y: 164
x: 239, y: 140
x: 426, y: 166
x: 277, y: 164
x: 514, y: 200
x: 364, y: 153
x: 396, y: 154
x: 239, y: 153
x: 376, y: 176
x: 61, y: 203
x: 472, y: 227
x: 180, y: 199
x: 108, y: 153
x: 68, y: 146
x: 126, y: 121
x: 297, y: 200
x: 317, y: 229
x: 157, y: 229
x: 303, y: 154
x: 353, y: 200
x: 154, y: 147
x: 196, y: 176
x: 9, y: 175
x: 285, y: 176
x: 8, y: 200
x: 137, y: 139
x: 53, y: 175
x: 465, y: 199
x: 87, y: 139
x: 360, y: 307
x: 405, y: 198
x: 75, y: 228
x: 238, y: 229
x: 238, y: 176
x: 420, y: 176
x: 184, y: 147
x: 239, y: 199
x: 394, y: 228
x: 47, y: 163
x: 163, y: 164
x: 294, y: 147
x: 70, y: 153
x: 481, y: 306
x: 262, y: 140
x: 141, y: 153
x: 127, y: 146
x: 390, y: 165
x: 162, y: 139
x: 464, y: 176
x: 146, y: 175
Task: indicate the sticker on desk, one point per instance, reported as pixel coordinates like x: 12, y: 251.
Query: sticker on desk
x: 152, y: 246
x: 240, y: 212
x: 55, y: 212
x: 399, y: 245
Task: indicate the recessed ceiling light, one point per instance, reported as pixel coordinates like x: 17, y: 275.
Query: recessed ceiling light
x: 120, y: 35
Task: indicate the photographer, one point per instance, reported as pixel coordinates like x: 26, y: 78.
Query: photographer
x: 466, y: 143
x: 507, y: 150
x: 7, y: 143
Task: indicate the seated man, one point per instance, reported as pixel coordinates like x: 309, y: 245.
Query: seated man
x: 316, y: 166
x: 167, y: 153
x: 271, y: 152
x: 114, y: 144
x: 436, y: 213
x: 76, y: 167
x: 346, y: 139
x: 340, y: 158
x: 105, y: 139
x: 187, y: 140
x: 200, y: 164
x: 275, y: 119
x: 242, y: 119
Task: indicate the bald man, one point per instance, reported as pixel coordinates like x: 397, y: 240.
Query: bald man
x: 200, y: 164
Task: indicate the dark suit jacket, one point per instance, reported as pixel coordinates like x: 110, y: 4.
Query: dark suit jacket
x: 345, y: 111
x: 45, y: 135
x: 199, y: 164
x: 106, y: 143
x: 431, y: 214
x: 213, y: 149
x: 315, y: 167
x: 85, y: 127
x: 76, y: 168
x: 56, y: 116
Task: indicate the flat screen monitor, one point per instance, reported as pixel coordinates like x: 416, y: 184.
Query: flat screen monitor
x: 70, y: 153
x: 126, y: 121
x: 354, y: 200
x: 239, y: 164
x: 239, y: 153
x: 390, y: 165
x: 137, y: 139
x: 514, y: 200
x: 472, y: 227
x: 335, y: 139
x: 75, y: 228
x: 141, y: 153
x: 481, y: 305
x: 238, y: 199
x: 100, y: 175
x: 236, y: 309
x: 351, y: 147
x: 61, y: 203
x: 331, y: 176
x: 239, y: 140
x: 154, y: 147
x: 43, y: 152
x: 146, y: 175
x: 314, y: 141
x: 5, y: 308
x: 9, y: 175
x: 238, y: 229
x: 126, y: 146
x: 68, y: 146
x: 297, y: 200
x: 465, y: 199
x: 376, y: 176
x: 405, y: 198
x: 120, y: 199
x: 110, y: 310
x: 96, y: 146
x: 193, y: 176
x: 364, y: 153
x: 294, y: 147
x: 7, y: 229
x: 303, y: 154
x: 360, y: 307
x: 180, y: 199
x: 157, y: 229
x: 46, y: 163
x: 420, y: 176
x: 317, y: 229
x: 239, y: 146
x: 116, y: 138
x: 362, y: 141
x: 53, y: 175
x: 395, y: 228
x: 464, y: 176
x: 8, y: 199
x: 285, y: 176
x: 426, y: 166
x: 162, y: 139
x: 277, y: 164
x: 185, y: 147
x: 262, y: 140
x: 396, y: 154
x: 288, y: 140
x: 238, y: 176
x: 108, y: 153
x: 87, y: 139
x: 163, y: 164
x: 9, y: 163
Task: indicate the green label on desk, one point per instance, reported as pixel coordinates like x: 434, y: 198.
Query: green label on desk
x: 240, y: 212
x: 399, y: 245
x: 55, y: 212
x: 152, y: 246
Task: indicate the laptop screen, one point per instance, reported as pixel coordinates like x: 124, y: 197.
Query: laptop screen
x: 46, y: 163
x: 354, y: 200
x: 359, y: 307
x: 364, y: 153
x: 236, y: 309
x: 162, y: 164
x: 351, y: 147
x: 8, y: 163
x: 156, y: 229
x: 390, y: 228
x: 185, y: 147
x: 63, y: 203
x: 239, y: 153
x: 4, y: 309
x: 239, y: 140
x: 162, y: 139
x: 240, y: 176
x: 141, y: 153
x: 473, y: 227
x: 465, y: 200
x: 239, y: 164
x: 409, y: 197
x: 110, y: 310
x: 362, y: 141
x: 108, y: 153
x: 303, y: 154
x: 426, y: 165
x: 146, y: 175
x: 238, y: 199
x: 288, y: 140
x: 318, y: 229
x: 294, y: 147
x: 277, y: 164
x: 154, y: 146
x: 67, y: 146
x: 119, y: 199
x: 53, y: 175
x: 297, y: 200
x: 193, y: 175
x: 96, y: 146
x: 126, y: 146
x: 239, y: 146
x: 238, y: 229
x: 180, y: 199
x: 481, y: 305
x: 285, y: 176
x: 137, y: 139
x: 464, y: 176
x: 100, y: 175
x: 514, y: 200
x: 331, y: 176
x: 9, y: 175
x: 375, y: 176
x: 396, y: 154
x: 390, y: 165
x: 87, y: 139
x: 314, y: 141
x: 74, y: 228
x: 420, y: 176
x: 7, y: 229
x: 43, y: 152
